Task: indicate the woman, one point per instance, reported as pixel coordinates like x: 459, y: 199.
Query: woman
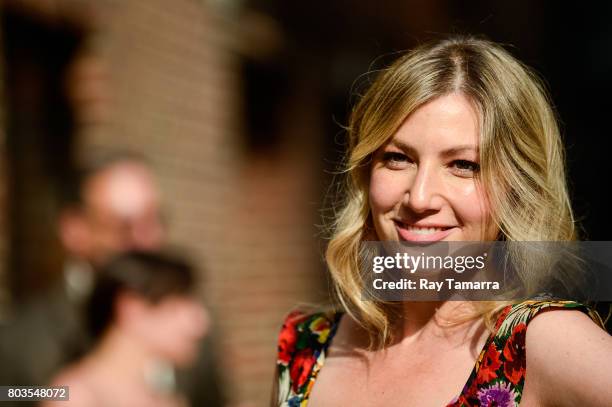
x: 145, y: 322
x: 456, y: 141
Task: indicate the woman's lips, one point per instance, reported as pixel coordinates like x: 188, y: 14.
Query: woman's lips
x: 422, y: 234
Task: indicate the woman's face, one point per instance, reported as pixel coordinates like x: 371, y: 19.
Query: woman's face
x: 422, y: 182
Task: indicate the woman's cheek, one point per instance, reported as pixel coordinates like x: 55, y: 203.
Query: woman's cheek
x: 471, y: 203
x: 386, y: 190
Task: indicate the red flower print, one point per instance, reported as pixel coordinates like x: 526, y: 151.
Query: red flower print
x: 514, y: 352
x: 302, y: 364
x: 288, y: 337
x: 502, y: 317
x: 490, y: 363
x: 462, y: 401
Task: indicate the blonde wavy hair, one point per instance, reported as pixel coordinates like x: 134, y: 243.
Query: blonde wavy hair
x: 521, y: 159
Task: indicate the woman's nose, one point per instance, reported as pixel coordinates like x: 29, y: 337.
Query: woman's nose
x: 423, y: 193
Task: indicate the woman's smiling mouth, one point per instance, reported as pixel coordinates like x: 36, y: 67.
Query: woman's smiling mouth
x: 423, y: 232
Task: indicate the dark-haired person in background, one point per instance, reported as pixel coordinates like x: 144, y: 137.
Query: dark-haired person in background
x: 145, y: 321
x: 109, y: 206
x: 112, y: 205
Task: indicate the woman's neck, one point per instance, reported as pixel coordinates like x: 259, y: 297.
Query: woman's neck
x: 447, y: 318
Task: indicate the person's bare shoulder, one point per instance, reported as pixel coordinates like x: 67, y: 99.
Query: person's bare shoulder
x: 569, y: 360
x: 79, y: 391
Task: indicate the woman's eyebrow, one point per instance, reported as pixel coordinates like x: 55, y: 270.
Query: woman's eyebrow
x: 459, y: 149
x: 449, y: 152
x: 403, y: 146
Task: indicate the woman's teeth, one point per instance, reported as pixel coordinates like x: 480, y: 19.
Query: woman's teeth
x: 422, y: 231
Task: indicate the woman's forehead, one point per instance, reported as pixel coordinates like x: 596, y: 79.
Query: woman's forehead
x: 449, y: 123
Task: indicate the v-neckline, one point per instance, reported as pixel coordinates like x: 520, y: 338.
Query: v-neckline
x: 337, y: 317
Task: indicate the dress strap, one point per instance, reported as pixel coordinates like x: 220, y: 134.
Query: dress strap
x: 302, y: 344
x: 499, y: 374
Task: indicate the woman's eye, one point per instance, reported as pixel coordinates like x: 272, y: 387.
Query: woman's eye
x: 393, y: 157
x: 466, y: 167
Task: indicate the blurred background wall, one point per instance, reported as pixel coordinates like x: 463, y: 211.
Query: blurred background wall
x: 239, y: 105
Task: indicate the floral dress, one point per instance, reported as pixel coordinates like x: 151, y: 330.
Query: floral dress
x: 497, y: 378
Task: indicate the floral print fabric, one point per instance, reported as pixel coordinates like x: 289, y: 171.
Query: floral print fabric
x: 302, y: 343
x: 497, y: 378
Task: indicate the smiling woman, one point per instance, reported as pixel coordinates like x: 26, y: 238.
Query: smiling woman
x: 423, y: 181
x: 456, y: 141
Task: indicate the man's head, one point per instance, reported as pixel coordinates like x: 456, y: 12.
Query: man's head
x: 114, y: 206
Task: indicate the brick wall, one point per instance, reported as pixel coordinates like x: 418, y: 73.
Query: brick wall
x: 246, y: 218
x: 173, y: 93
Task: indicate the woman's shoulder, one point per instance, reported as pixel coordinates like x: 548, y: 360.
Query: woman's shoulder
x: 566, y: 349
x: 302, y: 342
x: 521, y: 314
x: 513, y: 321
x: 501, y: 369
x: 306, y: 329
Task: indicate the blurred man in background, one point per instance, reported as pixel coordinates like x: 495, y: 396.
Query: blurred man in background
x: 110, y: 207
x: 115, y: 208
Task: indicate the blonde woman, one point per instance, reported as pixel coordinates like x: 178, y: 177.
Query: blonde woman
x: 456, y: 141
